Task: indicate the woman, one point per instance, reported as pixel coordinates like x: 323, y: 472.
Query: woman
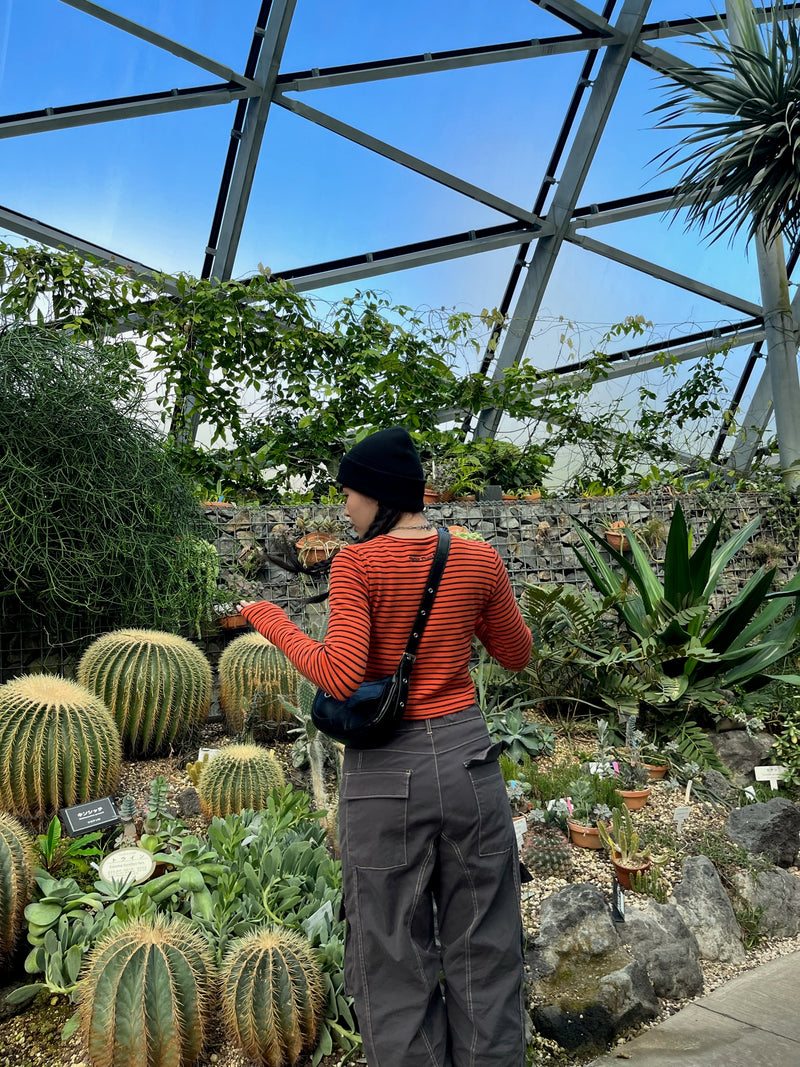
x: 429, y: 859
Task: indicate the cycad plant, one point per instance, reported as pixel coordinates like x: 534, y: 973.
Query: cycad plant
x: 147, y: 994
x: 59, y: 745
x: 272, y: 996
x: 677, y: 650
x: 157, y: 685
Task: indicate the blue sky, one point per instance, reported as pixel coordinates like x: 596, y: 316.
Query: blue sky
x: 146, y: 187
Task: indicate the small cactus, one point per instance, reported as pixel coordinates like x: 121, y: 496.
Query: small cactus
x: 238, y: 777
x: 252, y: 667
x: 272, y: 996
x: 546, y: 852
x: 157, y: 685
x: 146, y: 995
x: 59, y: 745
x: 16, y: 881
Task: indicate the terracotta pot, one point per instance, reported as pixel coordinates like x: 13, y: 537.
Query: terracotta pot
x: 456, y: 530
x: 635, y: 798
x: 624, y: 873
x: 431, y: 496
x: 656, y: 770
x: 617, y: 540
x: 510, y: 498
x: 233, y: 622
x: 584, y: 836
x: 316, y: 546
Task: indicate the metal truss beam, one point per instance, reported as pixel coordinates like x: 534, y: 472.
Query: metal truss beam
x: 135, y: 29
x: 645, y: 266
x: 382, y: 148
x: 592, y: 123
x: 241, y: 182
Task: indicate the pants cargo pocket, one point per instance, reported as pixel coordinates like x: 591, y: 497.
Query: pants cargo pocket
x: 495, y: 828
x: 374, y: 808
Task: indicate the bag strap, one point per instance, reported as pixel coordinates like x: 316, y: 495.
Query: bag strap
x: 428, y: 596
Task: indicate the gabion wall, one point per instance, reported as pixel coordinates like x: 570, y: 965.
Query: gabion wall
x: 535, y: 540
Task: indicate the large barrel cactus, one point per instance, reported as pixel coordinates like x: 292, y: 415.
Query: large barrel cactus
x: 58, y: 745
x: 238, y: 777
x: 251, y: 667
x: 16, y: 881
x: 157, y: 685
x: 272, y: 996
x: 147, y: 994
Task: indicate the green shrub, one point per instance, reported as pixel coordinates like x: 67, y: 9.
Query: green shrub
x: 272, y: 996
x: 237, y: 778
x: 146, y: 995
x: 252, y: 667
x: 59, y: 745
x: 157, y: 685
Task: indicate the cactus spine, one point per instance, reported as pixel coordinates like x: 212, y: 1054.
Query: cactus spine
x: 146, y: 995
x: 58, y: 745
x: 272, y: 996
x: 250, y: 666
x: 16, y: 880
x: 546, y: 852
x: 157, y: 685
x: 238, y: 777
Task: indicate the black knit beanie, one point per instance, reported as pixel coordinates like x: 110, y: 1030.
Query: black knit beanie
x: 385, y: 466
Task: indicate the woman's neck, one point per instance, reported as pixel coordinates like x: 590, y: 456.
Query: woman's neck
x: 411, y: 525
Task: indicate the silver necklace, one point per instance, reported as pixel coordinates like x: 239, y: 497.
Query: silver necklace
x: 427, y: 526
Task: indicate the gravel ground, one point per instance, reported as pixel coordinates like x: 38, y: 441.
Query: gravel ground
x: 32, y: 1038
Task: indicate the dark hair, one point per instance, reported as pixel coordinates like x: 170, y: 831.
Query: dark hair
x: 386, y: 518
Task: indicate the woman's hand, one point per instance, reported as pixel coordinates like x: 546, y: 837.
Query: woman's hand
x: 245, y: 604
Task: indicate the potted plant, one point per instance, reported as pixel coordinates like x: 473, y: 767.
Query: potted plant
x: 322, y: 534
x: 631, y: 779
x: 588, y: 796
x: 453, y: 475
x: 622, y: 841
x: 615, y: 536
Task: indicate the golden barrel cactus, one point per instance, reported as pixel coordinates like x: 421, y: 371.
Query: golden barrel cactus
x: 156, y: 685
x: 272, y: 996
x: 238, y: 777
x: 59, y: 745
x: 16, y: 882
x: 146, y: 995
x: 253, y: 667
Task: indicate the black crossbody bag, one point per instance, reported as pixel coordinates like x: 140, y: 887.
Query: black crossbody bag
x: 371, y: 715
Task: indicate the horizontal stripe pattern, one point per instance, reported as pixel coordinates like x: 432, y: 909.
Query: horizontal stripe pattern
x: 375, y: 590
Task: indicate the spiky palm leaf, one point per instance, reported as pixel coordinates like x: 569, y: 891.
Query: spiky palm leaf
x: 740, y: 159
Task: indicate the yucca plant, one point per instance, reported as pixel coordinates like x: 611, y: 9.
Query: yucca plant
x: 59, y: 745
x: 157, y: 686
x: 16, y: 881
x: 678, y: 648
x: 251, y: 667
x: 272, y: 996
x: 147, y: 994
x: 238, y: 777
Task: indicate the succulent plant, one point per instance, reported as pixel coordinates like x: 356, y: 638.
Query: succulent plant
x: 546, y: 851
x: 59, y: 745
x: 252, y: 667
x: 146, y: 995
x: 16, y: 880
x: 238, y: 777
x: 157, y: 685
x: 272, y: 996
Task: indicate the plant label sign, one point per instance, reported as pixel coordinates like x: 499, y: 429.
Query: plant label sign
x: 206, y: 753
x: 617, y: 902
x: 771, y: 774
x: 95, y: 815
x: 131, y: 865
x: 520, y: 826
x: 679, y: 817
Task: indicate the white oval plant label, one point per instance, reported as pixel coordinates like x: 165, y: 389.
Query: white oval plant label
x: 132, y: 865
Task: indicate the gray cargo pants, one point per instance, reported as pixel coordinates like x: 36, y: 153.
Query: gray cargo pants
x: 429, y: 850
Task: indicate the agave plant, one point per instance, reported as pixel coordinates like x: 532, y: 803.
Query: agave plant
x: 678, y: 648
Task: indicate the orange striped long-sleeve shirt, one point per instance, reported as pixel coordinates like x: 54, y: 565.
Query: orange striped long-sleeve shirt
x: 375, y: 590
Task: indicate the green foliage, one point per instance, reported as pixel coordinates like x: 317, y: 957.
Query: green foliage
x: 622, y: 840
x: 147, y: 995
x: 593, y: 798
x: 521, y: 737
x: 650, y: 883
x: 57, y: 853
x: 238, y: 777
x: 16, y: 881
x: 271, y: 996
x: 157, y: 685
x: 99, y: 527
x: 251, y: 665
x: 59, y: 745
x: 782, y: 701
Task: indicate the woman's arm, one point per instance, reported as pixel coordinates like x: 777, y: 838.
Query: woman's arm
x: 500, y: 627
